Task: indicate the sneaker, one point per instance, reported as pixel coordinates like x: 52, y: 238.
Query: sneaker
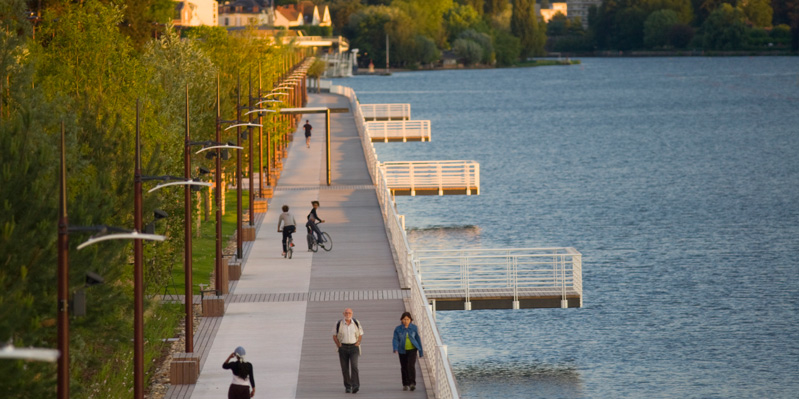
x: 413, y: 387
x: 354, y: 390
x: 348, y: 390
x: 404, y: 387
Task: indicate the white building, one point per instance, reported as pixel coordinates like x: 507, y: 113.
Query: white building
x: 196, y: 13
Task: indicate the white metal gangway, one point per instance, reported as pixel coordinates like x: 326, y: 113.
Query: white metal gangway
x: 385, y: 112
x: 432, y: 177
x: 501, y: 278
x: 385, y: 131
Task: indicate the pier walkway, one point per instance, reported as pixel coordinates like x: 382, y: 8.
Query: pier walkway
x: 282, y: 311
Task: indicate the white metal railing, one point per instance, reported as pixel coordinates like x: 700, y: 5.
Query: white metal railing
x: 371, y: 112
x: 511, y: 271
x: 398, y: 130
x: 436, y: 358
x: 433, y: 175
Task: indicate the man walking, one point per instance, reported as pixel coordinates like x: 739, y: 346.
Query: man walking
x: 347, y: 335
x: 308, y: 128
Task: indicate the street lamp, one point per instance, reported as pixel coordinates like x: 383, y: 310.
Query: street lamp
x: 190, y: 183
x: 63, y: 266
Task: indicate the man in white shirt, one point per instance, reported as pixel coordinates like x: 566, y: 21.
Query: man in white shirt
x: 347, y: 334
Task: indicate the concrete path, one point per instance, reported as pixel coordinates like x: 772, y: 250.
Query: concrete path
x: 288, y: 337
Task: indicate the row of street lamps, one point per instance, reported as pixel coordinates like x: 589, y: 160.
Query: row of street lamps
x: 137, y: 234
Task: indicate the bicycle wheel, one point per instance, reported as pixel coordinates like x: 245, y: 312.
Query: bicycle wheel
x: 328, y: 242
x: 290, y: 249
x: 312, y: 245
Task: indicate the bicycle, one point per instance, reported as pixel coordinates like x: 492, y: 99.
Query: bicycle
x: 289, y: 248
x: 326, y: 244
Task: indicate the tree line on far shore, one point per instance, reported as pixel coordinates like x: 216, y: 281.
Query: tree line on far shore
x: 426, y: 33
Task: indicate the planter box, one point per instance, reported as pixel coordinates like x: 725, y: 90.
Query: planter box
x: 184, y: 369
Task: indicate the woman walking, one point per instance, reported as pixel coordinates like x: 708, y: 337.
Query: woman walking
x: 242, y: 376
x: 407, y: 343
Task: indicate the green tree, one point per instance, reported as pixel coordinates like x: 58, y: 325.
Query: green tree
x: 724, y: 29
x: 427, y: 17
x: 468, y: 51
x: 757, y: 12
x: 507, y: 48
x: 657, y: 27
x: 680, y: 35
x: 524, y: 24
x: 460, y: 18
x: 484, y: 40
x: 340, y: 11
x: 494, y: 7
x: 628, y: 29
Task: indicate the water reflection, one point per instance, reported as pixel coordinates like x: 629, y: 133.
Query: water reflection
x: 445, y: 237
x: 493, y: 379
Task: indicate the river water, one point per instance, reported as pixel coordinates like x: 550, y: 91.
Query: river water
x: 678, y: 181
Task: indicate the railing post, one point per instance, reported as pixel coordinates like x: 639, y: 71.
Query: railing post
x: 440, y: 173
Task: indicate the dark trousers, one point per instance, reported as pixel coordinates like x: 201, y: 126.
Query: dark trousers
x: 238, y: 392
x: 408, y: 367
x: 286, y: 233
x: 348, y: 356
x: 313, y: 228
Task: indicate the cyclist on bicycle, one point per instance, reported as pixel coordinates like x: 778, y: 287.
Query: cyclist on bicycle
x: 289, y: 226
x: 313, y: 219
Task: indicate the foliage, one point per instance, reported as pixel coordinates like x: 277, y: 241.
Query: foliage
x: 486, y: 46
x: 758, y: 12
x: 507, y: 48
x: 524, y: 24
x: 427, y: 17
x: 657, y: 27
x: 468, y: 51
x: 461, y: 18
x: 680, y: 35
x: 724, y: 29
x: 88, y: 68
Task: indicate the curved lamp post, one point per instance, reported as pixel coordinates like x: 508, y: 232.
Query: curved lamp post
x: 63, y: 271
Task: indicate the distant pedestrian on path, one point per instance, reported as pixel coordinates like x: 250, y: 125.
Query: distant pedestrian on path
x: 289, y: 226
x: 242, y: 376
x: 407, y: 343
x: 313, y: 219
x: 347, y: 335
x: 308, y: 128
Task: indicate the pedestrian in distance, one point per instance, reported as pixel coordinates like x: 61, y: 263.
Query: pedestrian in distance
x: 313, y: 219
x: 407, y: 343
x: 347, y: 335
x: 289, y: 226
x: 242, y: 376
x: 308, y: 129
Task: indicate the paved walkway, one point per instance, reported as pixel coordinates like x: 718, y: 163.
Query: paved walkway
x: 283, y: 310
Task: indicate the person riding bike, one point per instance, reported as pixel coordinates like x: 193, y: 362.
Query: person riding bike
x: 313, y: 219
x: 289, y: 226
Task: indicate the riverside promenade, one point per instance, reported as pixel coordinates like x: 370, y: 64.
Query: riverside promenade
x: 282, y: 311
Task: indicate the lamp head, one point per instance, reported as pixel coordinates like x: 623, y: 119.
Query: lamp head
x: 93, y: 279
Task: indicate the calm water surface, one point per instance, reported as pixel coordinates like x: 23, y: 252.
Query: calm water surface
x: 678, y: 180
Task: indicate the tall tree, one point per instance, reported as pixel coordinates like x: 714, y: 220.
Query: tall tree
x: 524, y: 24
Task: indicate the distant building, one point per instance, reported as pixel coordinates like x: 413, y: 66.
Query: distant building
x: 305, y: 13
x: 579, y: 8
x: 196, y: 13
x: 288, y: 16
x: 246, y: 12
x: 548, y: 13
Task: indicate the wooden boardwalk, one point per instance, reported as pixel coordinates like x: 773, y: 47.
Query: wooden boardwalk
x: 283, y: 310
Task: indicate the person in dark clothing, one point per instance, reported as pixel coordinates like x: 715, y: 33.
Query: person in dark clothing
x: 242, y: 376
x: 308, y: 128
x: 313, y: 218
